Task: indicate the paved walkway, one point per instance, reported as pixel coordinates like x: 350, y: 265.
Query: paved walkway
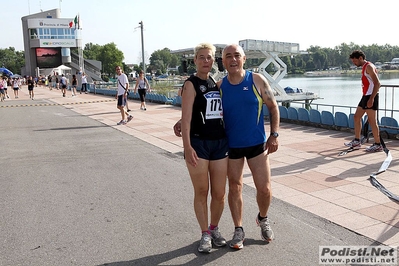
x: 306, y: 171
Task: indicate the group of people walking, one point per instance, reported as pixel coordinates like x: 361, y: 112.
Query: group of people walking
x: 60, y: 82
x: 14, y: 83
x: 122, y: 92
x: 63, y: 84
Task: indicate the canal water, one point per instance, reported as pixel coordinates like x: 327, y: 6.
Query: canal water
x: 343, y: 90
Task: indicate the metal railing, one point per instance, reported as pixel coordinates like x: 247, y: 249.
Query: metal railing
x: 386, y: 105
x: 388, y: 94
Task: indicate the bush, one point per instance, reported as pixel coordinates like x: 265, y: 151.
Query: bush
x: 164, y: 88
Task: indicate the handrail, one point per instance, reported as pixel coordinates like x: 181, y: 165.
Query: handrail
x: 392, y: 96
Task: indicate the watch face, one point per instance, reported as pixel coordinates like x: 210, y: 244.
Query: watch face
x: 275, y: 134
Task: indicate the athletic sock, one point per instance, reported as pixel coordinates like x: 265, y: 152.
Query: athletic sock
x: 211, y: 226
x: 260, y: 218
x: 206, y: 231
x: 239, y: 227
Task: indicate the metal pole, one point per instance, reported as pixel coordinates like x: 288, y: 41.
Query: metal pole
x: 142, y: 46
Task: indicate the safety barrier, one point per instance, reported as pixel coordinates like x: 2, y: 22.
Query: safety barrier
x: 150, y: 97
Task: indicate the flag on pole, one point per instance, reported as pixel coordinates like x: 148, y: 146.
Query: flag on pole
x: 76, y: 21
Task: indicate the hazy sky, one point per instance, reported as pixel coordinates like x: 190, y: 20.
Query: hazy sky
x: 178, y: 24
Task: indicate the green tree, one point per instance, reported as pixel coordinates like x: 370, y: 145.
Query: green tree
x: 288, y: 62
x: 137, y: 68
x: 108, y: 54
x: 161, y: 60
x: 110, y: 57
x: 92, y: 51
x: 12, y: 60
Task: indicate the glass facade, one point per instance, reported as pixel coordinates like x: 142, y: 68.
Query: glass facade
x: 52, y: 33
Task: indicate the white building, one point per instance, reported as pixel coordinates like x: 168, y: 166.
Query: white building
x: 51, y: 41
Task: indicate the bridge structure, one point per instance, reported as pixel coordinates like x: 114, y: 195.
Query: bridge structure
x: 270, y: 52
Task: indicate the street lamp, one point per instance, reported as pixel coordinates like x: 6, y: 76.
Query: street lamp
x: 142, y: 46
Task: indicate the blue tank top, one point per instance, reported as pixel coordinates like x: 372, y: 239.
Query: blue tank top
x: 243, y: 113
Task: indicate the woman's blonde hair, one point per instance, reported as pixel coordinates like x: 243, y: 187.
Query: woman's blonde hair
x: 205, y: 46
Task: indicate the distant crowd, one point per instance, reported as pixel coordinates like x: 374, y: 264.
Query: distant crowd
x: 14, y: 83
x: 55, y: 81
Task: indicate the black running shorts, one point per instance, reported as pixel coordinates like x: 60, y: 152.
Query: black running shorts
x: 364, y: 100
x: 248, y: 152
x: 210, y: 149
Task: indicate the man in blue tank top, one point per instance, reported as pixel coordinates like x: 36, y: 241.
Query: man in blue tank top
x: 243, y: 94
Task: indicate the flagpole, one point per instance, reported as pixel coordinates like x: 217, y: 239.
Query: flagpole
x: 80, y: 48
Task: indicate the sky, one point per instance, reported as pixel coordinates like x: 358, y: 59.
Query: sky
x: 178, y: 24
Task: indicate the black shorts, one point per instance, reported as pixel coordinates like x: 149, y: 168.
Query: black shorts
x: 210, y: 149
x: 30, y: 88
x: 63, y: 86
x: 121, y: 100
x: 142, y: 93
x: 364, y: 100
x: 248, y: 152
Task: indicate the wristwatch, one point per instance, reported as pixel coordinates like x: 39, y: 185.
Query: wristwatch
x: 274, y: 134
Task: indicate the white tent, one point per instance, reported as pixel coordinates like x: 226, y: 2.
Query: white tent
x: 62, y: 69
x: 57, y: 71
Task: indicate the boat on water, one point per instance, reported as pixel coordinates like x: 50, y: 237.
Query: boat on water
x: 291, y: 91
x: 289, y: 94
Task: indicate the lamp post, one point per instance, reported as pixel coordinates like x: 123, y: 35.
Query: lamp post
x: 142, y: 46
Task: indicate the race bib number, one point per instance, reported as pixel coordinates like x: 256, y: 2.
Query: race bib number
x: 214, y: 108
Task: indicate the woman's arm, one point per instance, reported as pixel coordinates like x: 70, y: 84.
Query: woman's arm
x: 187, y: 112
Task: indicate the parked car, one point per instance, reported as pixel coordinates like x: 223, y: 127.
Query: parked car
x: 163, y: 76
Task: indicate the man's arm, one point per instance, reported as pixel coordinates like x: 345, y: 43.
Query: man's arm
x: 177, y: 128
x: 373, y: 74
x: 126, y: 84
x: 270, y: 101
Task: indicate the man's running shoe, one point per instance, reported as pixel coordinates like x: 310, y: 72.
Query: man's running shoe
x: 205, y: 245
x: 238, y: 239
x: 217, y: 238
x: 122, y: 122
x: 266, y: 231
x: 356, y: 144
x: 363, y: 140
x: 374, y: 148
x: 130, y: 117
